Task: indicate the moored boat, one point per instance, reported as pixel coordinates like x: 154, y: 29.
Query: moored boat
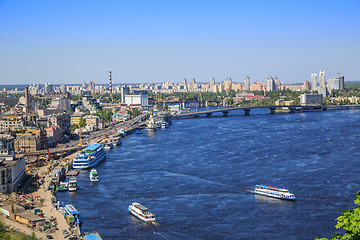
x: 91, y: 236
x: 72, y: 172
x: 63, y: 186
x: 141, y: 212
x: 151, y: 126
x: 72, y: 184
x: 117, y: 141
x: 274, y: 192
x: 109, y: 145
x: 89, y: 156
x: 93, y: 175
x: 71, y: 210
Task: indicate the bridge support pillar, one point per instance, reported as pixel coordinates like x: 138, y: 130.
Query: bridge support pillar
x: 292, y: 110
x: 208, y: 114
x: 226, y: 113
x: 272, y: 110
x: 247, y: 111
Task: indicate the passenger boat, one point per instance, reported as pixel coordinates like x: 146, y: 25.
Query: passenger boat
x: 91, y: 236
x: 72, y: 184
x: 93, y: 175
x: 109, y: 145
x: 274, y: 192
x: 151, y: 126
x: 141, y: 212
x: 63, y: 186
x: 89, y: 156
x: 71, y: 210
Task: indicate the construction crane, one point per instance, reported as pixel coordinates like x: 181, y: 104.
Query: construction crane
x: 47, y: 148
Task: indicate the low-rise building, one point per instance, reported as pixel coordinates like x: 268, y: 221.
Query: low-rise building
x: 311, y: 99
x: 12, y: 173
x: 54, y: 133
x: 92, y: 120
x: 75, y: 119
x: 12, y: 170
x: 26, y: 143
x: 63, y: 121
x: 12, y: 122
x: 137, y: 100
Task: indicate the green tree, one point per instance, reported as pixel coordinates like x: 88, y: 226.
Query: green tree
x: 82, y: 123
x: 73, y: 127
x: 350, y: 222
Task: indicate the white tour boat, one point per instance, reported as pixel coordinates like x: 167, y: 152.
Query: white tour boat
x: 89, y: 156
x: 274, y: 192
x: 141, y: 212
x: 72, y: 184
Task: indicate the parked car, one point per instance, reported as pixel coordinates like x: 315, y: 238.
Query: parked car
x: 49, y: 236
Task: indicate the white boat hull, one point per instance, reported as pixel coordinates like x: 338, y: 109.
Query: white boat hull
x: 273, y: 195
x: 133, y: 212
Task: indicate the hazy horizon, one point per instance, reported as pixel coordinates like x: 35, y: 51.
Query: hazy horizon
x: 158, y: 41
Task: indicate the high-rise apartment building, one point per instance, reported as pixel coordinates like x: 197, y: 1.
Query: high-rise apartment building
x: 49, y: 88
x: 247, y: 83
x: 322, y: 78
x: 313, y: 82
x: 124, y: 90
x: 271, y: 86
x: 212, y: 82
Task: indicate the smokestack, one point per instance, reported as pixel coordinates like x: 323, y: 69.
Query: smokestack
x: 27, y: 103
x: 110, y: 85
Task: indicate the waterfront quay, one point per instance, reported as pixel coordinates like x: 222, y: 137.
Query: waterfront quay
x: 45, y: 199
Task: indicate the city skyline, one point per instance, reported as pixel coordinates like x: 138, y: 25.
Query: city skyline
x: 158, y: 41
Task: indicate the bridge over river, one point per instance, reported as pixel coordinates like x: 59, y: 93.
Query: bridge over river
x: 272, y: 109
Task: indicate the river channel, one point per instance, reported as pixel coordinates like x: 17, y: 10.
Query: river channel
x: 193, y: 176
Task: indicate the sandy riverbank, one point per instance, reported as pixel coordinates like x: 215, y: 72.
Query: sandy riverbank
x: 48, y: 210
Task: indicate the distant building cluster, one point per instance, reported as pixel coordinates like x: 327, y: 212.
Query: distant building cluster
x: 227, y: 85
x: 323, y: 87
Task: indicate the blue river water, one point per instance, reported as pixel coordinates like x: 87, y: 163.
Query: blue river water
x: 193, y: 176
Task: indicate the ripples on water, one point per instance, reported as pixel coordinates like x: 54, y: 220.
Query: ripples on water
x: 192, y: 176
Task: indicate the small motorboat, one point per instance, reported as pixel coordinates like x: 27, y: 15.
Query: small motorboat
x: 93, y: 175
x: 63, y: 186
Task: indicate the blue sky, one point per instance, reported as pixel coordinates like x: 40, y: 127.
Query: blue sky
x: 156, y: 41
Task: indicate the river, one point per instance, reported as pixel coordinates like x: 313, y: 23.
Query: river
x: 193, y: 176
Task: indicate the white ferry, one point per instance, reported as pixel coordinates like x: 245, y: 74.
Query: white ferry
x: 141, y: 212
x: 274, y: 192
x: 93, y: 175
x: 151, y: 126
x: 89, y: 156
x: 72, y: 184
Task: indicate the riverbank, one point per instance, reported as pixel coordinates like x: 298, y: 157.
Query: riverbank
x: 45, y: 198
